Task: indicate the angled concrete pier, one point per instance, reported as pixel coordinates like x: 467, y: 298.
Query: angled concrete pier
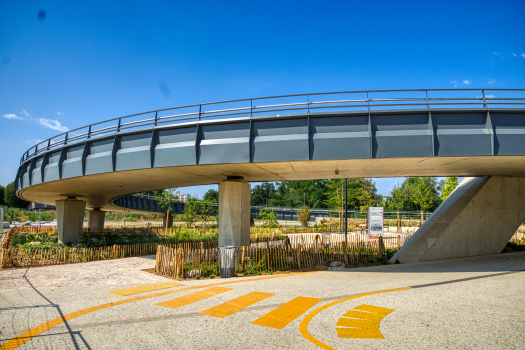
x: 96, y: 219
x: 478, y: 218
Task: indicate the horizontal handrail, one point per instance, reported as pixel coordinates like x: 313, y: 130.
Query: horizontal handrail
x: 249, y: 110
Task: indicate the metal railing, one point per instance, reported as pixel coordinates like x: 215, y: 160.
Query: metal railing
x: 286, y: 104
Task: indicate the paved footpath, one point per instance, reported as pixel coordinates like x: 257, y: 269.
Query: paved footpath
x: 474, y: 303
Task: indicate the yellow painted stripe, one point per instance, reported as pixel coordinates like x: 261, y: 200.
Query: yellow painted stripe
x: 193, y: 297
x: 364, y: 322
x: 30, y: 334
x: 144, y: 289
x: 303, y: 327
x: 286, y: 313
x: 230, y: 307
x: 363, y: 333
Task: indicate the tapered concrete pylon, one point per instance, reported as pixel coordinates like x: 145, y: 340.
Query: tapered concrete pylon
x: 478, y: 218
x: 96, y: 219
x: 234, y: 213
x: 70, y: 218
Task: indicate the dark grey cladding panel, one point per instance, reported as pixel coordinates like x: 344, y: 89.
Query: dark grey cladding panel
x: 99, y: 158
x: 175, y: 147
x: 401, y: 136
x: 25, y: 175
x: 461, y: 134
x: 51, y: 170
x: 280, y: 140
x: 339, y: 138
x: 72, y: 165
x: 36, y: 176
x: 509, y: 133
x: 225, y: 143
x: 134, y: 152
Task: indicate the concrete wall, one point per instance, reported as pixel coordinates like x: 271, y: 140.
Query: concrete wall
x: 478, y: 218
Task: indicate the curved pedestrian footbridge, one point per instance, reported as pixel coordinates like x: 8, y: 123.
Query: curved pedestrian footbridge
x: 469, y: 133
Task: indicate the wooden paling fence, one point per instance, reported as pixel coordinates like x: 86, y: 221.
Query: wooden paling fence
x: 41, y: 257
x: 183, y: 263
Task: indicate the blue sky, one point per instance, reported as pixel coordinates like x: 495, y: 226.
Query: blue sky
x: 94, y: 60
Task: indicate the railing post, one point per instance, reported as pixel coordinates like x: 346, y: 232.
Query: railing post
x: 251, y: 108
x: 156, y: 117
x: 200, y: 111
x: 119, y: 122
x: 484, y: 99
x: 367, y: 102
x: 428, y: 103
x: 48, y: 144
x: 89, y: 132
x: 65, y: 139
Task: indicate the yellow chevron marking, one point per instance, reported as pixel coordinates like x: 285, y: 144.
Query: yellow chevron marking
x: 363, y: 323
x: 230, y: 307
x: 143, y: 289
x: 286, y: 313
x: 193, y: 297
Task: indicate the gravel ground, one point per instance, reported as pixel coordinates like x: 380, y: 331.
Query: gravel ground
x: 474, y: 303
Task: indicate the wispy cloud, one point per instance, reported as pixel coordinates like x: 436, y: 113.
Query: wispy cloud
x: 25, y: 112
x: 12, y: 116
x: 465, y: 82
x: 53, y: 124
x: 490, y: 82
x: 60, y: 113
x: 522, y: 55
x: 513, y: 54
x: 34, y: 141
x: 496, y: 53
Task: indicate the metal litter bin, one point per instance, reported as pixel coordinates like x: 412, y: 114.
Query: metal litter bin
x: 227, y: 261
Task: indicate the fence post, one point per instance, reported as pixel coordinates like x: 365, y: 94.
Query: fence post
x: 381, y: 247
x: 398, y: 241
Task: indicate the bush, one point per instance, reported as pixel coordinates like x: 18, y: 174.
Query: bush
x: 304, y: 216
x: 269, y: 218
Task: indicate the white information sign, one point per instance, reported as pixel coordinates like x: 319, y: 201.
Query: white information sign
x: 375, y: 221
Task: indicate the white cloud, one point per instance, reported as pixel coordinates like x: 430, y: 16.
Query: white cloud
x: 513, y: 54
x: 11, y: 116
x: 455, y: 83
x: 25, y: 112
x: 522, y: 55
x: 60, y: 113
x: 496, y: 53
x: 53, y: 124
x: 490, y: 82
x: 465, y: 82
x: 34, y: 141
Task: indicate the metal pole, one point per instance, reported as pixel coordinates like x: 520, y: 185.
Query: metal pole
x: 346, y: 215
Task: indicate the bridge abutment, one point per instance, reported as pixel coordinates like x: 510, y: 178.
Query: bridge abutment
x: 96, y: 219
x: 478, y: 218
x: 70, y: 218
x: 234, y: 213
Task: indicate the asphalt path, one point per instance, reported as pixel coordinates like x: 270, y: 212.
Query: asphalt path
x: 473, y: 303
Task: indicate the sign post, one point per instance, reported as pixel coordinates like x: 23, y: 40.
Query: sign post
x: 375, y: 222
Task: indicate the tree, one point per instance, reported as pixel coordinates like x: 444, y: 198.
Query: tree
x: 11, y: 200
x: 269, y: 218
x: 397, y: 201
x: 425, y: 194
x: 304, y: 216
x: 211, y: 195
x: 262, y: 194
x: 166, y: 197
x: 447, y: 186
x: 2, y: 194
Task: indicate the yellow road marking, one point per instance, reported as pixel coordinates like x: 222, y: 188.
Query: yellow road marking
x: 286, y: 313
x: 230, y: 307
x: 303, y: 327
x: 144, y: 289
x: 33, y: 332
x: 364, y: 322
x: 193, y: 297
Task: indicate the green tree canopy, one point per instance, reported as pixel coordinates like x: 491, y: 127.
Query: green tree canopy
x: 2, y: 194
x: 447, y: 186
x: 416, y: 193
x: 211, y: 195
x: 263, y: 193
x: 10, y: 198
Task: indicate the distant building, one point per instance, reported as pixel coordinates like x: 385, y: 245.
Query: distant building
x: 183, y: 197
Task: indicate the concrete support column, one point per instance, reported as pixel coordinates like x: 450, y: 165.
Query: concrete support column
x: 167, y: 221
x: 96, y: 219
x: 70, y: 217
x: 234, y: 213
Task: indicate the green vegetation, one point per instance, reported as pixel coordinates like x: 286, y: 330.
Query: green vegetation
x: 304, y: 216
x: 269, y: 218
x: 447, y: 186
x: 212, y: 196
x: 2, y: 195
x: 10, y: 198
